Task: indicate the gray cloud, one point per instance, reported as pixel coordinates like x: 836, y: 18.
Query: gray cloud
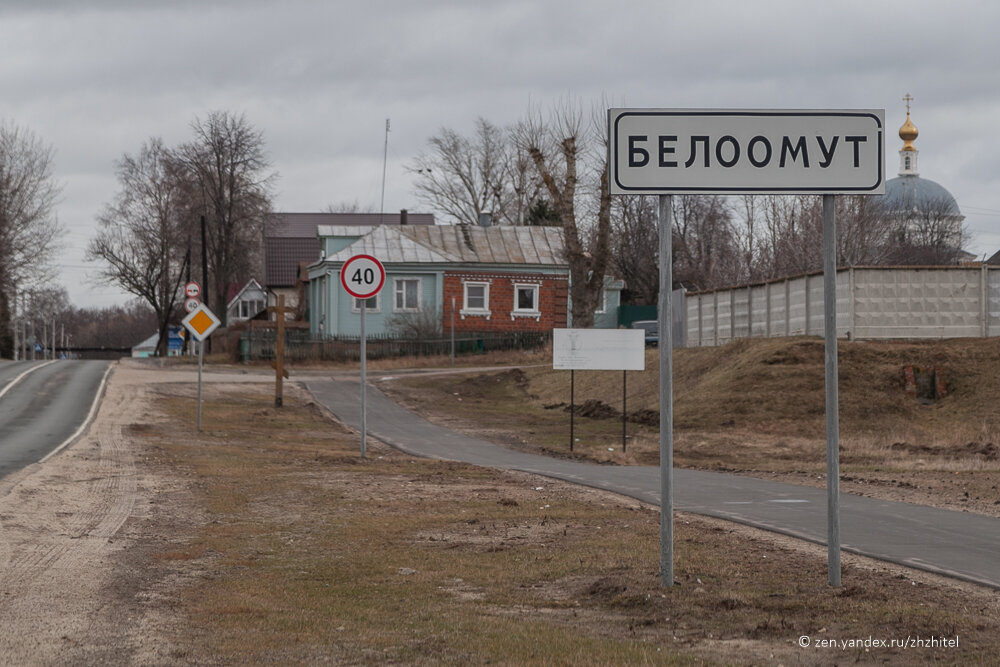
x: 97, y: 79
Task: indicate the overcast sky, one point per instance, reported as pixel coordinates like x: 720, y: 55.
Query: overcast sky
x: 95, y: 79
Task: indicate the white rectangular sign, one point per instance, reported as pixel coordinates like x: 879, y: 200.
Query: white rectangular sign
x: 734, y: 151
x: 598, y: 349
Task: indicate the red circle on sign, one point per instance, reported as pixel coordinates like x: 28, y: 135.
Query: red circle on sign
x: 362, y: 276
x: 192, y: 289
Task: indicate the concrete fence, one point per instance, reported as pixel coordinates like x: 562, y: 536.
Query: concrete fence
x: 872, y: 303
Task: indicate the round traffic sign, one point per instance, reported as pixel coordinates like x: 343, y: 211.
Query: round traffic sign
x: 190, y: 305
x: 192, y: 290
x: 362, y: 276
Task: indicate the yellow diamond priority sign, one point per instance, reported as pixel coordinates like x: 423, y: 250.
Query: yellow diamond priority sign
x: 201, y: 322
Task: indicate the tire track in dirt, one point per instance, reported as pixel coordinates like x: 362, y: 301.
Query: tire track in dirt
x: 57, y: 524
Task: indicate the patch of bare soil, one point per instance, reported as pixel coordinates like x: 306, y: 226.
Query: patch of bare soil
x: 66, y: 533
x: 78, y: 580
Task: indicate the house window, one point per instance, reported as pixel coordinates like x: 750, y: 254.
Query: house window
x: 406, y: 292
x: 525, y: 300
x: 907, y: 160
x: 602, y: 307
x: 248, y: 309
x: 477, y: 296
x: 372, y: 304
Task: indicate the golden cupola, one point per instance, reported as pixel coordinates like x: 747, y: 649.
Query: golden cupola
x: 908, y: 154
x: 908, y: 132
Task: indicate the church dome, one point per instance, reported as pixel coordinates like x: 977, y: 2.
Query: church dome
x: 908, y: 133
x: 908, y: 193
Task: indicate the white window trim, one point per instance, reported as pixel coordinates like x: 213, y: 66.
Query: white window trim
x: 523, y: 312
x: 355, y: 308
x: 420, y: 292
x: 604, y: 303
x: 475, y: 312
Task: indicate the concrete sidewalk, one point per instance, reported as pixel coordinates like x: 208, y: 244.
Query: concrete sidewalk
x: 957, y: 544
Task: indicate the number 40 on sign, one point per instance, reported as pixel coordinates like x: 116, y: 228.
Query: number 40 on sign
x: 362, y: 276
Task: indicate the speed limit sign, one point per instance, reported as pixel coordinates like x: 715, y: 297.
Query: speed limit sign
x: 362, y: 276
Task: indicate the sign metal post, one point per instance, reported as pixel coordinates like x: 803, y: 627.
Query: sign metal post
x: 832, y: 402
x: 201, y: 322
x: 747, y: 151
x: 666, y: 347
x: 363, y: 277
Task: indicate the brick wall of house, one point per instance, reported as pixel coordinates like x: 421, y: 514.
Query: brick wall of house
x: 552, y: 297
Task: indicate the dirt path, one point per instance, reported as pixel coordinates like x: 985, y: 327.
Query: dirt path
x: 65, y: 536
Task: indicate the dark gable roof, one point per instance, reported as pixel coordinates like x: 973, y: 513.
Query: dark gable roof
x: 282, y: 257
x: 290, y: 238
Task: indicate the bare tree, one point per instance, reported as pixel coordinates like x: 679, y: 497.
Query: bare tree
x: 706, y: 253
x: 634, y: 254
x: 559, y: 147
x: 929, y: 234
x: 350, y: 207
x: 29, y: 229
x: 464, y: 177
x: 225, y: 170
x: 142, y: 232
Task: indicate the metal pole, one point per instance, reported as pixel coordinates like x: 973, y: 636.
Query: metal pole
x: 201, y: 361
x: 364, y: 382
x: 666, y: 346
x: 832, y: 404
x: 452, y: 331
x: 572, y: 406
x: 624, y: 407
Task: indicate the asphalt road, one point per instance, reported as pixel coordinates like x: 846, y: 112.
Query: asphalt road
x: 957, y: 544
x: 42, y: 406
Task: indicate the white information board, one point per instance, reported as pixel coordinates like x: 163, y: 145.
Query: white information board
x: 598, y: 349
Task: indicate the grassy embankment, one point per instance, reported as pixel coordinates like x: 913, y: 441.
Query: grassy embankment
x: 300, y: 551
x: 757, y: 406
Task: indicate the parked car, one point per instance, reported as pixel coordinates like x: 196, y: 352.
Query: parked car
x: 652, y: 329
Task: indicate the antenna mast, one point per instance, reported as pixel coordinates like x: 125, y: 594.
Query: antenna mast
x: 385, y: 155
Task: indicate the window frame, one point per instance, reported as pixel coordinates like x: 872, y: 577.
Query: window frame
x: 356, y: 304
x: 534, y: 311
x: 466, y: 308
x: 396, y: 282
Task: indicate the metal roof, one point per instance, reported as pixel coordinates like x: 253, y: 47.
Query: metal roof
x: 389, y: 246
x: 303, y: 225
x: 494, y: 245
x: 453, y: 244
x: 282, y: 257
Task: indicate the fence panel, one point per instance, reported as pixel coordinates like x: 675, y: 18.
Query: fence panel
x: 872, y: 303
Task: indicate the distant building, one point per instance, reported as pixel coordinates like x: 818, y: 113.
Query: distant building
x: 489, y: 279
x: 928, y: 212
x: 291, y: 243
x: 245, y: 302
x: 147, y: 348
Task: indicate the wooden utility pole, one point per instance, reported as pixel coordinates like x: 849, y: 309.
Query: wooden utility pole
x: 279, y: 350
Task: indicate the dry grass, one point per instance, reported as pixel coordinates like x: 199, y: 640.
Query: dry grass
x: 757, y: 407
x: 306, y: 553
